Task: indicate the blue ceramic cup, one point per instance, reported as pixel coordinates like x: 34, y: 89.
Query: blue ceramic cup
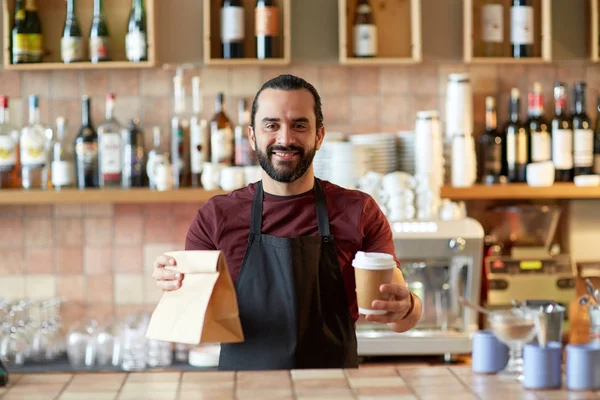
x: 489, y: 355
x: 583, y: 367
x: 542, y: 366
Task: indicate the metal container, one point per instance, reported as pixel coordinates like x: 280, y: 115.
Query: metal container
x: 594, y: 312
x: 554, y: 315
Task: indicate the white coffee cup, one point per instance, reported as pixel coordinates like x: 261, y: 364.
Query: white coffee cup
x: 371, y: 270
x: 163, y: 176
x: 540, y: 174
x: 211, y: 175
x: 232, y: 178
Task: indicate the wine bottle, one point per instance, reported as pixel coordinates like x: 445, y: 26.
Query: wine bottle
x: 583, y: 135
x: 63, y: 159
x: 244, y: 155
x: 110, y: 147
x: 136, y: 43
x: 492, y: 28
x: 562, y: 136
x: 365, y: 30
x: 99, y: 34
x: 267, y: 28
x: 133, y: 156
x: 34, y: 150
x: 86, y: 149
x: 20, y: 38
x: 597, y: 139
x: 232, y: 28
x: 491, y: 147
x: 71, y: 43
x: 33, y: 27
x: 199, y: 134
x: 517, y: 152
x: 179, y: 135
x: 521, y: 28
x: 540, y: 145
x: 221, y: 135
x: 9, y: 139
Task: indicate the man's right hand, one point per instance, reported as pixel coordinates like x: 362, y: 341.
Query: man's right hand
x: 165, y: 279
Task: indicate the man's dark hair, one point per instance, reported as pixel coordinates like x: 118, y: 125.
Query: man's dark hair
x: 290, y: 82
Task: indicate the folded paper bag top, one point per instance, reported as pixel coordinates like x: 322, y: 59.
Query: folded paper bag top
x: 204, y: 309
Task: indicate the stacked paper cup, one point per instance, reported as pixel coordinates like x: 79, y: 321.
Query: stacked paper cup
x: 399, y: 192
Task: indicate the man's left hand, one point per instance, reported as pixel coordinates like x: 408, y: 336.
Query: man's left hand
x: 397, y: 306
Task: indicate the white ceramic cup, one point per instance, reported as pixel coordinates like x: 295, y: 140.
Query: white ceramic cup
x: 232, y: 178
x: 211, y: 175
x: 540, y: 174
x: 163, y: 176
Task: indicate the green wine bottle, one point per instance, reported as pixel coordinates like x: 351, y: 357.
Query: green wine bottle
x: 99, y: 34
x: 136, y: 43
x: 19, y: 35
x: 33, y: 27
x: 71, y: 43
x: 3, y: 375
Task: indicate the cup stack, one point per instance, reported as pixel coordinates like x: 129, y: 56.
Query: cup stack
x: 398, y: 188
x: 429, y: 164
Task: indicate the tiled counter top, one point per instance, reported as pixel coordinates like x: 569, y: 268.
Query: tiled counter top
x: 445, y: 383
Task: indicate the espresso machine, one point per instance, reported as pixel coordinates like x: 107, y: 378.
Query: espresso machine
x: 441, y: 262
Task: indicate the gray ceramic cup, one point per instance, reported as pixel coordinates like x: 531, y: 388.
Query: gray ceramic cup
x: 489, y: 355
x: 583, y: 367
x: 542, y: 366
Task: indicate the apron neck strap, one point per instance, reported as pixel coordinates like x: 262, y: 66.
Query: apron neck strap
x: 320, y: 204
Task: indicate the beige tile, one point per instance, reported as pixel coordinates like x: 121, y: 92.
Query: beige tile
x: 215, y: 80
x: 10, y: 82
x: 65, y: 84
x: 88, y: 396
x: 377, y: 391
x: 98, y: 109
x: 156, y: 82
x: 37, y: 83
x: 263, y: 380
x: 129, y: 230
x: 12, y: 232
x: 182, y: 226
x: 365, y: 112
x: 152, y: 293
x: 99, y: 289
x: 127, y: 259
x: 127, y: 109
x: 95, y: 83
x: 544, y: 74
x: 208, y: 394
x: 69, y: 109
x: 336, y: 109
x: 199, y: 386
x: 13, y: 261
x: 151, y: 386
x: 52, y: 380
x: 365, y: 80
x: 98, y: 210
x: 98, y: 231
x: 13, y: 286
x: 69, y: 260
x: 301, y: 374
x: 424, y: 80
x: 40, y: 286
x: 97, y: 260
x: 208, y: 376
x: 268, y: 73
x: 396, y: 113
x: 39, y: 210
x: 158, y: 208
x: 100, y: 311
x: 154, y: 377
x: 72, y: 312
x: 512, y: 76
x: 374, y: 372
x: 156, y: 110
x: 45, y: 107
x: 245, y: 81
x: 148, y: 395
x: 69, y: 232
x: 394, y: 80
x: 111, y: 378
x: 158, y: 228
x: 392, y: 381
x: 335, y: 80
x: 39, y: 260
x: 125, y: 82
x: 38, y: 231
x: 129, y: 289
x: 569, y: 74
x: 425, y: 372
x: 126, y: 210
x: 307, y: 72
x: 71, y: 287
x: 271, y: 394
x: 17, y: 115
x: 324, y: 394
x: 11, y: 211
x: 484, y: 79
x: 390, y: 397
x: 423, y: 103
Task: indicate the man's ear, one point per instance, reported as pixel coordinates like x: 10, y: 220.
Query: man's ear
x: 252, y: 138
x: 320, y: 137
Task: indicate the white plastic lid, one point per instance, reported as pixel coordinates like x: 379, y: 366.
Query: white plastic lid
x: 364, y: 260
x: 587, y: 180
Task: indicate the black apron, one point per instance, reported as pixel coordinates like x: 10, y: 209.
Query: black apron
x: 292, y: 302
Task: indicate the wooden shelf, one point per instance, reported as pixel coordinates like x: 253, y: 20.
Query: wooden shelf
x: 52, y: 16
x: 398, y: 32
x: 472, y: 30
x: 213, y: 53
x: 521, y: 191
x: 88, y: 196
x: 593, y: 29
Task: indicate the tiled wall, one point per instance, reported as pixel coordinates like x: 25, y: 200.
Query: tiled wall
x: 99, y: 257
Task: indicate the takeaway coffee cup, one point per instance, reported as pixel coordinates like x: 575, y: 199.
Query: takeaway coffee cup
x: 371, y: 270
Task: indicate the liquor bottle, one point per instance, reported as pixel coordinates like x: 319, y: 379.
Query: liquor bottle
x: 179, y: 135
x: 9, y: 139
x: 155, y: 156
x: 517, y: 152
x: 71, y: 42
x: 491, y: 147
x: 492, y: 28
x: 63, y: 159
x: 562, y: 136
x: 110, y: 149
x: 3, y: 375
x: 221, y: 135
x: 33, y: 27
x: 20, y: 38
x: 244, y: 155
x: 99, y: 34
x: 86, y: 149
x: 232, y: 28
x: 133, y: 155
x: 521, y: 28
x: 199, y: 135
x: 365, y: 30
x: 136, y: 43
x: 540, y: 145
x: 34, y: 150
x: 597, y: 139
x: 583, y: 135
x: 266, y: 17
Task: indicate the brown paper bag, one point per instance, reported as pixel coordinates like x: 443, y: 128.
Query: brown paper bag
x: 204, y: 309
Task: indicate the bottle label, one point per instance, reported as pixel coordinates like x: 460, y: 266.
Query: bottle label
x: 232, y: 24
x: 135, y: 46
x: 19, y: 47
x: 222, y: 146
x: 177, y: 149
x: 492, y: 22
x: 88, y: 154
x: 63, y: 173
x: 244, y: 155
x: 365, y: 40
x: 516, y: 147
x: 35, y: 46
x: 33, y: 150
x: 597, y: 164
x: 521, y: 23
x: 562, y: 149
x: 583, y: 147
x: 110, y: 155
x: 541, y: 146
x: 197, y: 134
x: 493, y: 159
x: 267, y: 21
x: 364, y: 9
x: 99, y: 48
x: 71, y: 49
x: 8, y: 153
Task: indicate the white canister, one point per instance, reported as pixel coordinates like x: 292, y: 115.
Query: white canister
x: 459, y: 105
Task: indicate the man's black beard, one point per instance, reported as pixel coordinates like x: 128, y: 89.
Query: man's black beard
x: 283, y: 172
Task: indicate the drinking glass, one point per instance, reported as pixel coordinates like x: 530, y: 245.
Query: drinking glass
x: 514, y: 327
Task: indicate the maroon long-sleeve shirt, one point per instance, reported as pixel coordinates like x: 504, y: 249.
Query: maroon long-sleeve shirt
x: 356, y: 223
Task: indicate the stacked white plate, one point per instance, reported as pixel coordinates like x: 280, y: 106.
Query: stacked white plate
x: 406, y: 151
x: 349, y: 162
x: 383, y: 150
x: 322, y: 160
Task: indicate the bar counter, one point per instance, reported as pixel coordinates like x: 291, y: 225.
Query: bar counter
x: 446, y: 382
